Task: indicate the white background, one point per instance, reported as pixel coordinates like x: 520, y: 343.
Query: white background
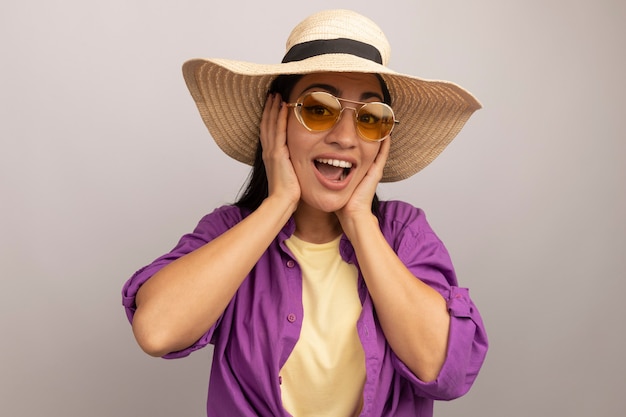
x: 105, y: 163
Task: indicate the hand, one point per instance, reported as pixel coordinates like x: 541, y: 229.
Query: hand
x: 281, y: 177
x: 360, y: 203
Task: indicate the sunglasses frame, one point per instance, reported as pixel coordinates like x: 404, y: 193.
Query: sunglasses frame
x: 300, y: 103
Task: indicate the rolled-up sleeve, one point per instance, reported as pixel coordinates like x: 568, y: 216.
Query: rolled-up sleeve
x: 467, y: 348
x: 211, y: 226
x: 427, y: 258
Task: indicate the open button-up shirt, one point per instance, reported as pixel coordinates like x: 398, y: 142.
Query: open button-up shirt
x: 260, y: 326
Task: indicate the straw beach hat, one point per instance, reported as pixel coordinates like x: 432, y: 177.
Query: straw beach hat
x: 230, y: 95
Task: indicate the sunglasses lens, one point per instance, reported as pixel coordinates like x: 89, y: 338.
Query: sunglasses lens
x: 319, y: 111
x: 375, y: 121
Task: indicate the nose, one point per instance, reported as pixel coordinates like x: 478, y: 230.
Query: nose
x: 344, y: 132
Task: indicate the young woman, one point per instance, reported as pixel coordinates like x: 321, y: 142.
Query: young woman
x: 319, y: 299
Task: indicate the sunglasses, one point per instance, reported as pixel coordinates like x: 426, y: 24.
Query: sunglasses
x: 319, y: 111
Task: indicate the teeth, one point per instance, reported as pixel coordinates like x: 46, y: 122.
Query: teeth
x: 335, y: 163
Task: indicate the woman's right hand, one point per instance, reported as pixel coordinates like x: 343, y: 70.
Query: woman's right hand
x: 181, y: 302
x: 281, y: 177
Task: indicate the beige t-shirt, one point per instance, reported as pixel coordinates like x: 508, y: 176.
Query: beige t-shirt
x: 325, y: 373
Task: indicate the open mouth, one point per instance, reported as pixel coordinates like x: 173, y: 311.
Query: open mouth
x: 333, y: 169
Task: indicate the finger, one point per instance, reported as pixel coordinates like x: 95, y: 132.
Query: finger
x: 268, y: 120
x: 281, y: 124
x: 383, y: 152
x: 264, y: 117
x: 376, y: 170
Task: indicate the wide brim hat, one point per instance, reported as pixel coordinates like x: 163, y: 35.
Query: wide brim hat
x: 230, y: 95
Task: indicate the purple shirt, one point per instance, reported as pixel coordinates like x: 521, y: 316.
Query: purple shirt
x: 260, y: 326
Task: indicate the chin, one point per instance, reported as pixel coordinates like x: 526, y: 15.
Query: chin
x: 327, y: 205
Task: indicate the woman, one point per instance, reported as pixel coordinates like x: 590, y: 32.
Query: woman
x: 318, y: 298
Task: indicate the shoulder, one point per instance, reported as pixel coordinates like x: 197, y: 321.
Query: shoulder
x: 401, y: 219
x: 219, y: 220
x: 400, y: 212
x: 225, y: 211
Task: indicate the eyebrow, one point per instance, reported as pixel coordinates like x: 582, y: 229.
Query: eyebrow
x: 336, y: 92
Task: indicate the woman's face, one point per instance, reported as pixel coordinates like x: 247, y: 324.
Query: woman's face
x: 319, y: 158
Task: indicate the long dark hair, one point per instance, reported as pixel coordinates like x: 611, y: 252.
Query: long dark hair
x: 257, y: 187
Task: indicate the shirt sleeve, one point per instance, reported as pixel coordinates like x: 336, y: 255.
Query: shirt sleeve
x: 209, y: 227
x: 427, y: 258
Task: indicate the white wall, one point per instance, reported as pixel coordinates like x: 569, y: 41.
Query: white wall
x: 104, y: 163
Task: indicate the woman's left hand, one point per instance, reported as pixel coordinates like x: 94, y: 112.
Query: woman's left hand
x: 420, y: 340
x: 360, y: 203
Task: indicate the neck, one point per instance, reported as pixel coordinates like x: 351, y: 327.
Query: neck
x: 316, y: 226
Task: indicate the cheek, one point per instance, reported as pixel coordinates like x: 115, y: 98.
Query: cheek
x: 292, y: 131
x: 296, y: 145
x: 370, y: 152
x: 299, y: 140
